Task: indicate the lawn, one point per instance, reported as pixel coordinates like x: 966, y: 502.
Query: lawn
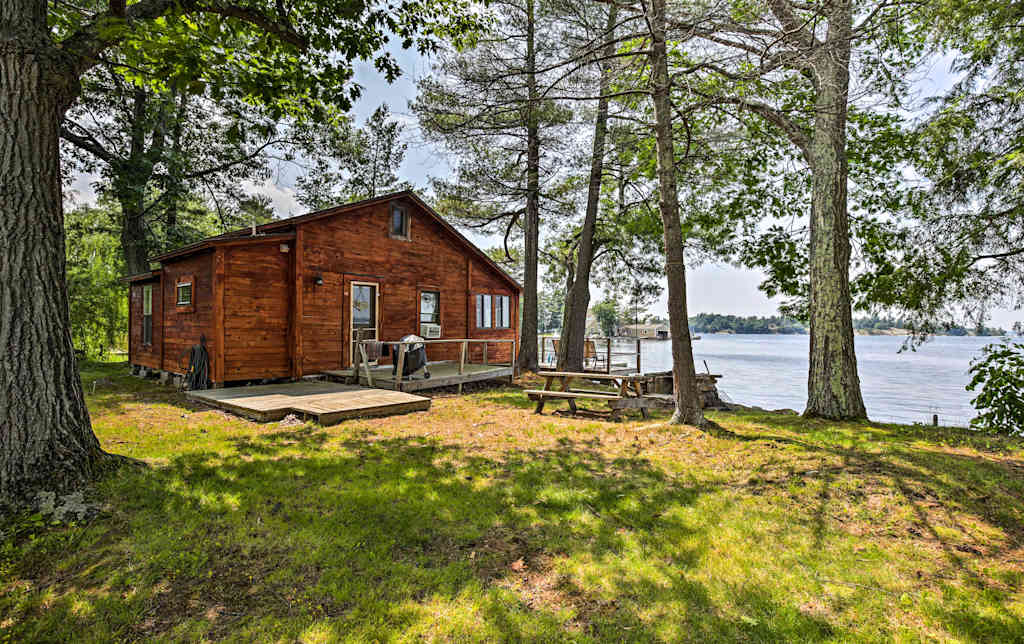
x: 480, y: 521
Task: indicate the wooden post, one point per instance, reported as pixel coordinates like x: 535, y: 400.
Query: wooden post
x: 366, y: 364
x: 638, y: 369
x: 513, y: 362
x: 400, y: 367
x: 462, y: 361
x: 608, y: 357
x: 485, y: 353
x: 355, y: 368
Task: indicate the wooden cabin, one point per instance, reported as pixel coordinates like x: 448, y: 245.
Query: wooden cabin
x: 287, y: 301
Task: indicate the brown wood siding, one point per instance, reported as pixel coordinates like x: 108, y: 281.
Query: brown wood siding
x: 265, y: 317
x: 183, y: 325
x: 356, y: 246
x: 143, y: 354
x: 486, y: 282
x: 256, y: 310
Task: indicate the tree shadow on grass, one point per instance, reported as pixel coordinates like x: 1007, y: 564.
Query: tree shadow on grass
x: 304, y: 438
x: 388, y: 537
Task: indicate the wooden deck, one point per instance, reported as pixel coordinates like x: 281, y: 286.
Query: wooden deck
x: 325, y: 402
x: 442, y: 374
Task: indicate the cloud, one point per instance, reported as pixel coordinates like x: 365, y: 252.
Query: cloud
x: 282, y: 198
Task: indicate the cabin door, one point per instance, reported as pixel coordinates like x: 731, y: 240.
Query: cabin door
x: 365, y: 315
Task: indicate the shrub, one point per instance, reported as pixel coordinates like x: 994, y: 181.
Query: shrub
x: 998, y: 375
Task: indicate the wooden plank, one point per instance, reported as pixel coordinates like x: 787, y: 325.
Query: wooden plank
x: 536, y: 394
x: 630, y: 403
x: 435, y: 383
x: 581, y: 374
x: 326, y: 402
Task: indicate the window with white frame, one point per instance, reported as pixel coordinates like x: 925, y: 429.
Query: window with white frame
x: 430, y: 307
x: 147, y: 314
x: 483, y: 311
x: 501, y: 312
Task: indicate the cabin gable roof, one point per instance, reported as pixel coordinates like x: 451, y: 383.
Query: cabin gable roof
x: 283, y: 229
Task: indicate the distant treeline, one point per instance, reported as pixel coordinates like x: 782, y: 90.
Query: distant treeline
x: 717, y: 323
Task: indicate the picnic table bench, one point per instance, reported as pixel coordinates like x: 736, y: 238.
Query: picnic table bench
x: 628, y: 396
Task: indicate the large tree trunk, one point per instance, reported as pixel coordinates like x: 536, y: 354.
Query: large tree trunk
x: 688, y: 407
x: 577, y: 299
x: 833, y: 386
x: 46, y: 440
x: 528, y: 360
x: 133, y: 238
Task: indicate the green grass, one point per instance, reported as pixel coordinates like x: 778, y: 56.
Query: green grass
x: 479, y: 521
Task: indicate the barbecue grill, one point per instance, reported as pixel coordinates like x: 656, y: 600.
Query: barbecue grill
x: 415, y: 357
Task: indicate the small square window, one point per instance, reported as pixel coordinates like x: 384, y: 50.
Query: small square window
x: 399, y: 225
x: 184, y: 293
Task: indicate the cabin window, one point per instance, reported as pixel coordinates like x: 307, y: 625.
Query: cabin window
x: 483, y: 311
x: 184, y: 293
x: 501, y: 311
x: 399, y: 224
x: 147, y: 314
x: 430, y: 307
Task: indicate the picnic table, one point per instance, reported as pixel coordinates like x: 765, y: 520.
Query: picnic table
x: 629, y: 394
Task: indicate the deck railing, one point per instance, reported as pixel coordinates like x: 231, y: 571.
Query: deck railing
x: 604, y: 353
x: 403, y: 348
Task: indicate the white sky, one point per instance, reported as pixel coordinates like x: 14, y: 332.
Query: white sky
x: 711, y: 288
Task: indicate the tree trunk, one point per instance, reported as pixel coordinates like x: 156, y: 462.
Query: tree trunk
x: 528, y: 360
x: 688, y: 408
x: 130, y: 181
x: 133, y: 238
x: 46, y: 439
x: 833, y: 386
x: 577, y: 299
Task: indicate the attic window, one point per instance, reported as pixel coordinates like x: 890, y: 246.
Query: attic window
x: 399, y: 222
x: 184, y: 291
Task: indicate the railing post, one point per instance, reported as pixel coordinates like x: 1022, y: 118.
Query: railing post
x: 462, y: 356
x: 400, y: 367
x: 485, y: 353
x: 608, y: 357
x: 638, y: 369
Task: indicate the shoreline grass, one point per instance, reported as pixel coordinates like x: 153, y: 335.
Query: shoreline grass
x: 480, y: 521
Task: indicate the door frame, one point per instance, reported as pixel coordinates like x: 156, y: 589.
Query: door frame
x: 351, y: 318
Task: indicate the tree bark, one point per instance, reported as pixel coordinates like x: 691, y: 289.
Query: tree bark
x: 833, y: 386
x: 688, y: 407
x: 528, y: 359
x: 577, y: 299
x: 46, y: 439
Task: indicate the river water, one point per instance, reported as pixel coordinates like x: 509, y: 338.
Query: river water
x: 770, y: 371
